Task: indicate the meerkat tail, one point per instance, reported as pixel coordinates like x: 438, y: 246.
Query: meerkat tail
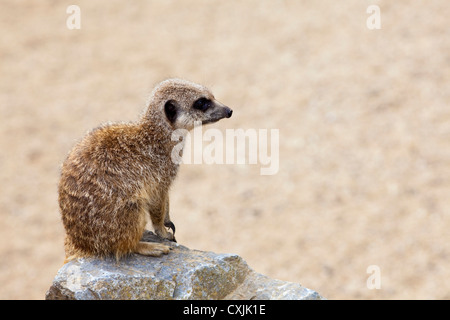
x: 151, y: 249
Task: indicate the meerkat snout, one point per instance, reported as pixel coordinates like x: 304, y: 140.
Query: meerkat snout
x: 224, y: 111
x: 213, y: 109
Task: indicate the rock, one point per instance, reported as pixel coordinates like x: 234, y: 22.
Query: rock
x: 182, y: 274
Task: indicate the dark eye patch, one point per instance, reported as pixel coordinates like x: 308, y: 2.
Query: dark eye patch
x: 202, y: 104
x: 170, y: 109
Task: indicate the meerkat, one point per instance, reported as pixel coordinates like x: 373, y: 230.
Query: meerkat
x: 119, y: 175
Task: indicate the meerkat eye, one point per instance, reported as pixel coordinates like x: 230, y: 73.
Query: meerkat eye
x: 202, y: 104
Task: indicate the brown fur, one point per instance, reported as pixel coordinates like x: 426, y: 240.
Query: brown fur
x: 119, y: 174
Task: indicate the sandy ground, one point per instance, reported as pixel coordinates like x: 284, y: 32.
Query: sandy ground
x: 363, y: 118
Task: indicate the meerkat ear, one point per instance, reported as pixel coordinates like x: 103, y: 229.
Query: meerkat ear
x: 170, y: 109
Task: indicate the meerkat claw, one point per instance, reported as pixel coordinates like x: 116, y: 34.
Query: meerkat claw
x: 171, y: 226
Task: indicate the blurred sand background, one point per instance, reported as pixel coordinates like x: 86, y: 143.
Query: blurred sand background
x: 363, y: 117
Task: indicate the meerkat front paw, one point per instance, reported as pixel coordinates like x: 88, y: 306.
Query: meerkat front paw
x: 152, y: 249
x: 164, y: 234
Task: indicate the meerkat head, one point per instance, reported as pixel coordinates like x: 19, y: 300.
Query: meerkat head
x: 183, y: 103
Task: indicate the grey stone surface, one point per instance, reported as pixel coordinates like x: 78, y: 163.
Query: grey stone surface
x: 182, y: 274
